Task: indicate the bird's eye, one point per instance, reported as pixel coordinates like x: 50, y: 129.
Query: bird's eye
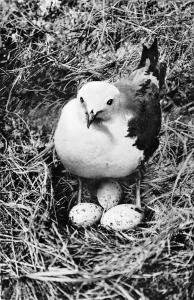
x: 81, y: 100
x: 110, y: 101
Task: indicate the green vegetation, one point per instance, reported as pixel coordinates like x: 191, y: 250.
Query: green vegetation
x: 46, y: 52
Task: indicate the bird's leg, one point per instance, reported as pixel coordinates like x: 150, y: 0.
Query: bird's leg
x: 79, y: 196
x: 140, y: 172
x: 138, y: 193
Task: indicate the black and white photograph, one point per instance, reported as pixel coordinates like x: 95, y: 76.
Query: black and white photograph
x: 96, y: 150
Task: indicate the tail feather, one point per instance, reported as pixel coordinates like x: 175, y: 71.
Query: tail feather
x: 149, y: 56
x: 149, y: 67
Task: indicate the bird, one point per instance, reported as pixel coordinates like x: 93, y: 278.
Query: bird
x: 112, y: 128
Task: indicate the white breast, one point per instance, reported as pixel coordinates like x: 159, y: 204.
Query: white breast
x: 103, y: 150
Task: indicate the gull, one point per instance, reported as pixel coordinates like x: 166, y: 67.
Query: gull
x: 110, y: 129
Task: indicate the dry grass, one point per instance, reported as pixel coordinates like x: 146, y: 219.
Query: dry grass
x: 44, y: 58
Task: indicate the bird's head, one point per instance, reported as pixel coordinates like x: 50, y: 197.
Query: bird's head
x: 98, y: 101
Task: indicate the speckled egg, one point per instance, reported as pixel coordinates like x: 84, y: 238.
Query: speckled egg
x: 85, y: 214
x: 109, y: 194
x: 122, y: 217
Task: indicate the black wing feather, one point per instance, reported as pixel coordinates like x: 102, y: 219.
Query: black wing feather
x: 141, y: 95
x: 146, y: 123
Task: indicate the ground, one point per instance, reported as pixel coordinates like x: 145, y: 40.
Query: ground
x: 48, y: 49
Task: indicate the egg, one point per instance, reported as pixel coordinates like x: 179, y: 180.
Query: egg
x: 122, y: 217
x: 85, y: 214
x: 109, y: 194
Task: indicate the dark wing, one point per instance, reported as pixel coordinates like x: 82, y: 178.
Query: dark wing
x: 142, y: 98
x: 146, y: 122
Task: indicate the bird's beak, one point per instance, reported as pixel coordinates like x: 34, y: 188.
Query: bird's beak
x: 90, y: 118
